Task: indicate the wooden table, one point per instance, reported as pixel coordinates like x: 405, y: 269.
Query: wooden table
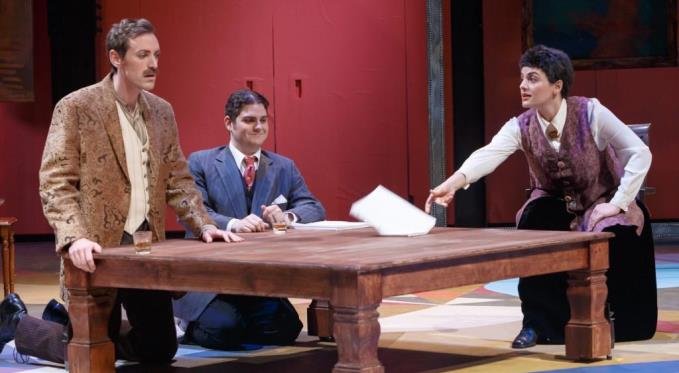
x: 354, y: 270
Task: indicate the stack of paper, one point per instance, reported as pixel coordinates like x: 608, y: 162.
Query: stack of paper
x: 332, y: 225
x: 391, y: 215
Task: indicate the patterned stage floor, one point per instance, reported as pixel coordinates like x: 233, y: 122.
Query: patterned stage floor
x: 466, y: 329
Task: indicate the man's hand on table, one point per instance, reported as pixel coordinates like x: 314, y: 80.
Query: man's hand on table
x: 250, y: 224
x: 212, y: 234
x: 80, y: 253
x: 273, y: 214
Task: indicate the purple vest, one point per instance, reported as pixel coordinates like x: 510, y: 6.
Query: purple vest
x: 579, y: 173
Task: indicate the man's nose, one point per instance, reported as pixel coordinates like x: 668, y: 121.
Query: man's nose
x: 153, y: 62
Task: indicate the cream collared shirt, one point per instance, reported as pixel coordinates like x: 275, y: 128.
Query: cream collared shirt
x: 137, y: 159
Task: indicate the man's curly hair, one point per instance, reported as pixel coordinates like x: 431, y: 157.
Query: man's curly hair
x: 240, y: 98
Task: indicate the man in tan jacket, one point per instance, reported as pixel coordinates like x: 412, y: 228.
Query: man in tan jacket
x: 111, y: 164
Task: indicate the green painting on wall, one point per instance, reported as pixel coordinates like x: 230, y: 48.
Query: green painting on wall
x: 605, y: 33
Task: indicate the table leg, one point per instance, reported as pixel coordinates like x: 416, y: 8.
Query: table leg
x: 354, y: 303
x: 90, y: 349
x: 357, y: 332
x: 319, y: 319
x: 5, y: 260
x: 11, y: 261
x: 588, y: 333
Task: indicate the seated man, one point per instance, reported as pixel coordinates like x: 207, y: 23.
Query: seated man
x: 245, y: 189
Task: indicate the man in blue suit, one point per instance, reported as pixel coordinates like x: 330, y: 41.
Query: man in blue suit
x: 246, y: 189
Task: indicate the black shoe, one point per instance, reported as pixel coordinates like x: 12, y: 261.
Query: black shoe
x: 527, y: 338
x: 12, y: 310
x: 56, y: 312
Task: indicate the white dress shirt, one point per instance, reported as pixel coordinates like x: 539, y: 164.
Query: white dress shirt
x: 240, y: 158
x: 606, y: 130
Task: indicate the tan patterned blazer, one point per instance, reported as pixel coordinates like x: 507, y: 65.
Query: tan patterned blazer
x: 84, y: 186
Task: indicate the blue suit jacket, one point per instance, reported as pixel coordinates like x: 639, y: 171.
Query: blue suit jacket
x: 221, y: 184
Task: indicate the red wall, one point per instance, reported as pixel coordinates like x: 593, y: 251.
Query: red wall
x: 348, y: 129
x: 634, y: 95
x: 360, y: 118
x: 362, y: 77
x: 23, y: 128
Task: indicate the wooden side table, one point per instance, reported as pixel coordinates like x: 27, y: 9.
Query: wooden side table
x: 7, y: 235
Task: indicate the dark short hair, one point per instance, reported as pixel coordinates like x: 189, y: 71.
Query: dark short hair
x: 554, y: 62
x: 119, y: 36
x: 243, y: 97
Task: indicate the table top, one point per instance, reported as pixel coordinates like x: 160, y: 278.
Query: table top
x: 6, y: 221
x: 355, y: 250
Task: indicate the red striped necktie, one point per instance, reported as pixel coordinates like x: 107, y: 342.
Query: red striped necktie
x: 249, y: 173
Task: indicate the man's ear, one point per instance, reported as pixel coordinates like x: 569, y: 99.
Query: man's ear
x: 114, y: 58
x: 228, y: 123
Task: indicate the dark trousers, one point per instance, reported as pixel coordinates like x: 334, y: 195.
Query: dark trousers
x: 632, y: 294
x: 151, y: 339
x: 230, y: 321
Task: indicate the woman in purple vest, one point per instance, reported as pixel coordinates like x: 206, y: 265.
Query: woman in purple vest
x: 586, y: 168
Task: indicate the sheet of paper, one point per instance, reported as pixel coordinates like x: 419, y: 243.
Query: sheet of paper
x: 391, y: 215
x: 333, y: 225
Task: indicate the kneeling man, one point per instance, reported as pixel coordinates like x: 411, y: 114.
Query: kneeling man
x: 246, y: 189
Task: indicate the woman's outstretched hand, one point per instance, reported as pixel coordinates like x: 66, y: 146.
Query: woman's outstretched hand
x: 444, y: 193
